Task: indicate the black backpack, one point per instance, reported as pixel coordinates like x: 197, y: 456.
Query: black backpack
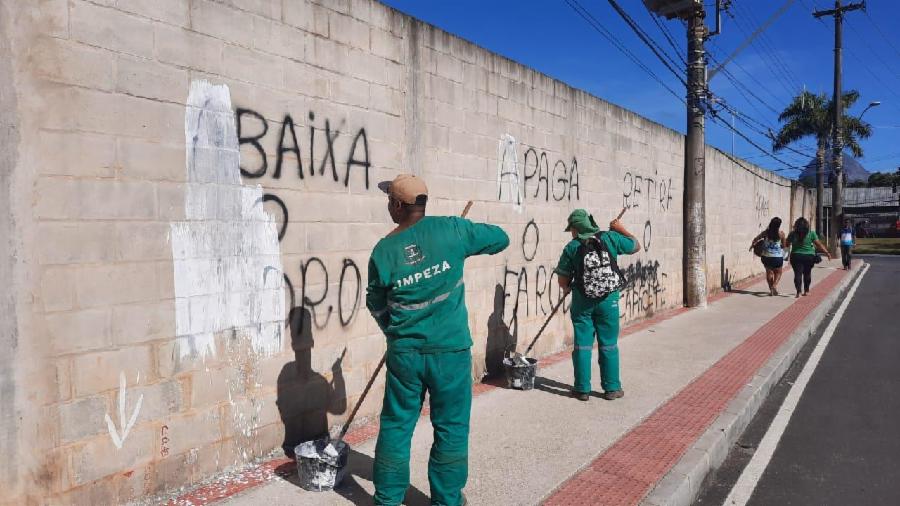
x: 596, y: 272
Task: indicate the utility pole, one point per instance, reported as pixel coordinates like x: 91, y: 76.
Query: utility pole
x: 837, y: 201
x: 694, y: 210
x: 694, y: 206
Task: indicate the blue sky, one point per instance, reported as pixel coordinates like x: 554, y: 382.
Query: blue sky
x: 796, y: 50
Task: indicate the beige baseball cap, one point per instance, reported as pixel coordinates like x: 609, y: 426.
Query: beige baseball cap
x: 406, y: 188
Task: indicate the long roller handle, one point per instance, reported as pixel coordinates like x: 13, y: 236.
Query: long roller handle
x: 361, y: 398
x: 546, y: 322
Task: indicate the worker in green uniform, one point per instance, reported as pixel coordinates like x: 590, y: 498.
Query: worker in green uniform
x: 416, y: 294
x: 594, y: 316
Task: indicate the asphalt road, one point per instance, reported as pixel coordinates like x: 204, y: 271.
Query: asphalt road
x: 842, y: 444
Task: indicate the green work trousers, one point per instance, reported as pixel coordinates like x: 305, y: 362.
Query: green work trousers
x: 447, y: 377
x: 592, y: 318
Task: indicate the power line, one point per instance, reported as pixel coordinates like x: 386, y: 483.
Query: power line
x: 744, y: 90
x: 753, y: 77
x: 853, y: 55
x: 755, y: 173
x: 649, y: 42
x: 668, y: 35
x: 596, y: 25
x: 714, y: 116
x: 881, y: 33
x: 872, y: 50
x: 772, y: 62
x: 747, y: 120
x: 767, y: 41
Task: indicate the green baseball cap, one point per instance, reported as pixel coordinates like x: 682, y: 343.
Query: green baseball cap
x: 582, y: 223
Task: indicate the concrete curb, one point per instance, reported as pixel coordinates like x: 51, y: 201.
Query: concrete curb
x: 681, y: 485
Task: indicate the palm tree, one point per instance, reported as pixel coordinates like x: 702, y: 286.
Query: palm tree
x: 810, y: 115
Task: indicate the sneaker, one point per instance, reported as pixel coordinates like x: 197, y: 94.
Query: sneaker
x: 613, y: 394
x: 581, y: 396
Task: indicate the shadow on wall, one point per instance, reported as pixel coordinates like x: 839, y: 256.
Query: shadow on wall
x: 725, y: 276
x: 305, y: 397
x: 500, y: 340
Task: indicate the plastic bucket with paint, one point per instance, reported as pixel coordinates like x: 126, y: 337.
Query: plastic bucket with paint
x: 519, y: 375
x: 322, y: 463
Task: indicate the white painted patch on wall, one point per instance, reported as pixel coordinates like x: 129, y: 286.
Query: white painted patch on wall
x: 508, y: 178
x: 118, y: 435
x: 227, y: 243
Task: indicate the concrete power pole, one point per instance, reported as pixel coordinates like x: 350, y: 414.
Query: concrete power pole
x: 837, y: 188
x: 694, y: 208
x: 694, y: 224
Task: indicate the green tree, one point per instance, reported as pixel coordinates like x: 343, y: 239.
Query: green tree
x: 810, y: 115
x: 884, y: 178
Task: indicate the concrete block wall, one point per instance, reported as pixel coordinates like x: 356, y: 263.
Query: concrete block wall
x: 190, y: 201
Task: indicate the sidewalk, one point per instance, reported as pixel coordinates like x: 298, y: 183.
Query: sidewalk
x: 682, y: 376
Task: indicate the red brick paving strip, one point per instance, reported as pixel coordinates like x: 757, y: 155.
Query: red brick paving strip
x: 257, y: 475
x: 628, y: 470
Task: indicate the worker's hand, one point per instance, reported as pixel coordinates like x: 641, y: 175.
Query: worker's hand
x: 617, y: 226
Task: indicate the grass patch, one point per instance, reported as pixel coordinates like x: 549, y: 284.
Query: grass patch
x: 879, y: 245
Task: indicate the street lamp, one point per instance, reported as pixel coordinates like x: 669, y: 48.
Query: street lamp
x: 875, y: 103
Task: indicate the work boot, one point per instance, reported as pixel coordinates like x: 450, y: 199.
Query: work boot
x: 581, y: 396
x: 613, y: 394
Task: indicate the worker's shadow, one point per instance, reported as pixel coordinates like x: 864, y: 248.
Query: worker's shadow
x: 305, y: 397
x: 728, y: 282
x: 500, y: 340
x: 557, y: 388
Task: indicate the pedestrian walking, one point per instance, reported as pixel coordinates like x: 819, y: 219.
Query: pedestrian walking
x: 416, y: 294
x: 848, y: 240
x: 769, y: 245
x: 588, y: 267
x: 804, y: 243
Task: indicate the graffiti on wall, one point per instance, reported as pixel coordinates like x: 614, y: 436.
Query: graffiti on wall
x: 532, y: 287
x: 644, y: 291
x: 539, y: 176
x: 321, y: 160
x: 508, y: 179
x: 761, y: 206
x: 321, y: 151
x: 119, y: 434
x: 648, y: 195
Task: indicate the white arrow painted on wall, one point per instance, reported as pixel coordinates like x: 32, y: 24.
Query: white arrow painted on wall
x: 119, y: 439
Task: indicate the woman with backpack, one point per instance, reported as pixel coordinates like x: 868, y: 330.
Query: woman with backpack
x: 769, y: 246
x: 804, y: 243
x: 588, y: 264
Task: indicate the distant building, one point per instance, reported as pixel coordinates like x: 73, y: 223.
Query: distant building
x: 877, y: 208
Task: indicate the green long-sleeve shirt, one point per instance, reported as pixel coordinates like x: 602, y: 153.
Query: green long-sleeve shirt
x: 415, y: 289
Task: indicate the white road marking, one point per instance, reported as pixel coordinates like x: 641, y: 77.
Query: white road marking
x: 746, y: 484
